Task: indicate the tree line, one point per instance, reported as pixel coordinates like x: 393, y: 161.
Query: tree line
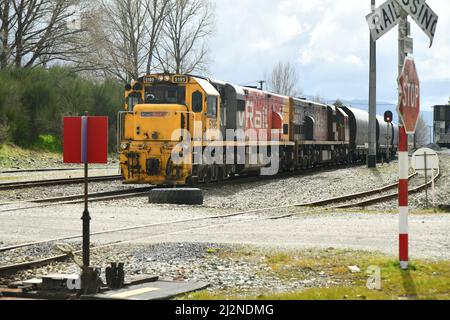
x: 33, y: 103
x: 64, y: 57
x: 107, y: 38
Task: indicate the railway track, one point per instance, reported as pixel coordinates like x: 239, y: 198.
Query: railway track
x: 48, y: 170
x: 117, y: 195
x: 311, y: 207
x: 93, y: 197
x: 360, y: 203
x: 55, y: 182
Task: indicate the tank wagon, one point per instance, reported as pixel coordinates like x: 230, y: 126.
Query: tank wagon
x: 184, y: 130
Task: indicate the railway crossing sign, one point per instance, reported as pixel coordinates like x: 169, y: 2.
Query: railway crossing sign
x: 388, y: 15
x: 409, y: 105
x: 423, y: 15
x: 383, y: 19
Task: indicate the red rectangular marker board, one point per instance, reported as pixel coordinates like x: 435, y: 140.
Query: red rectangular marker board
x: 86, y: 140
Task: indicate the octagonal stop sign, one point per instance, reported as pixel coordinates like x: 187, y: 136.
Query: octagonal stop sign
x: 409, y: 106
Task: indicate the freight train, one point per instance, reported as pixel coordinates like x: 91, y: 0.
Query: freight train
x: 185, y: 129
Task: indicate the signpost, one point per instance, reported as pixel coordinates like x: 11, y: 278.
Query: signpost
x: 425, y: 161
x: 372, y: 154
x: 380, y: 21
x: 86, y: 141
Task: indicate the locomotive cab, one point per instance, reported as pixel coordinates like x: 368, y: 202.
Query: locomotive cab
x: 163, y: 112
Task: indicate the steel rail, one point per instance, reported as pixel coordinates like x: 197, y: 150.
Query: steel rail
x: 98, y: 197
x: 54, y: 182
x: 368, y: 202
x: 50, y: 170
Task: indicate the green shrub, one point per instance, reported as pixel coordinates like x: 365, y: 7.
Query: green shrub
x: 4, y: 129
x: 49, y: 143
x: 33, y: 103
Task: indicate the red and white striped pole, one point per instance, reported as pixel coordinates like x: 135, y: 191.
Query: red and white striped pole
x: 403, y: 197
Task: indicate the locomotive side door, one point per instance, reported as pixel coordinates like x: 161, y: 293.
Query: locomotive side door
x: 197, y: 105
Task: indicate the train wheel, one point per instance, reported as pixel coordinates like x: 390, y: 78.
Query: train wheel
x: 182, y: 196
x: 191, y: 181
x: 208, y: 176
x: 220, y: 174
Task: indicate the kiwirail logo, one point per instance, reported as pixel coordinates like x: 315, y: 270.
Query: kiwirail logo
x: 241, y: 147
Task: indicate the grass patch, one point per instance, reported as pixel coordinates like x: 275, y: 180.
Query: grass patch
x: 12, y: 156
x: 425, y: 280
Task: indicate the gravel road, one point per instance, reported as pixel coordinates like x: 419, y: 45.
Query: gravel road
x: 429, y: 233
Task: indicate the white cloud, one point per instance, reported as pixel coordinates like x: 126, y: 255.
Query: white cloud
x: 288, y: 27
x: 353, y: 60
x: 261, y: 44
x: 337, y: 36
x: 329, y: 40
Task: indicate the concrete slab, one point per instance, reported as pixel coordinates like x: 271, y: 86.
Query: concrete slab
x: 158, y: 290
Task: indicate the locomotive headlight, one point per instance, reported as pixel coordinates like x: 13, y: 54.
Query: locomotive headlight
x: 124, y: 146
x: 167, y: 78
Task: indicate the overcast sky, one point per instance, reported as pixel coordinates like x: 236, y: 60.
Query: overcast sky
x: 328, y: 41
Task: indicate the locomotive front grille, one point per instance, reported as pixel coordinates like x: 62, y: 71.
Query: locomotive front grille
x: 153, y: 166
x: 134, y: 168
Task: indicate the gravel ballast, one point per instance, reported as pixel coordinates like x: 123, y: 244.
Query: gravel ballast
x: 191, y: 255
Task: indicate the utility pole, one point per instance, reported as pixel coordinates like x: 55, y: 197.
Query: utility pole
x: 261, y: 84
x: 372, y: 156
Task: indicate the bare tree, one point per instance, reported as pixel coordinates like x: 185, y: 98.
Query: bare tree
x: 35, y: 32
x: 6, y: 20
x: 187, y: 27
x: 124, y: 35
x: 319, y: 99
x: 284, y: 79
x: 157, y: 13
x: 422, y: 135
x: 120, y: 37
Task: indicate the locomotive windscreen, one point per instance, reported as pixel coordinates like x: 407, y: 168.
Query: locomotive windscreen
x: 165, y: 94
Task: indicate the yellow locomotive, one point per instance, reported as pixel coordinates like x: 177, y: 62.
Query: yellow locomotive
x: 182, y: 129
x: 160, y: 110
